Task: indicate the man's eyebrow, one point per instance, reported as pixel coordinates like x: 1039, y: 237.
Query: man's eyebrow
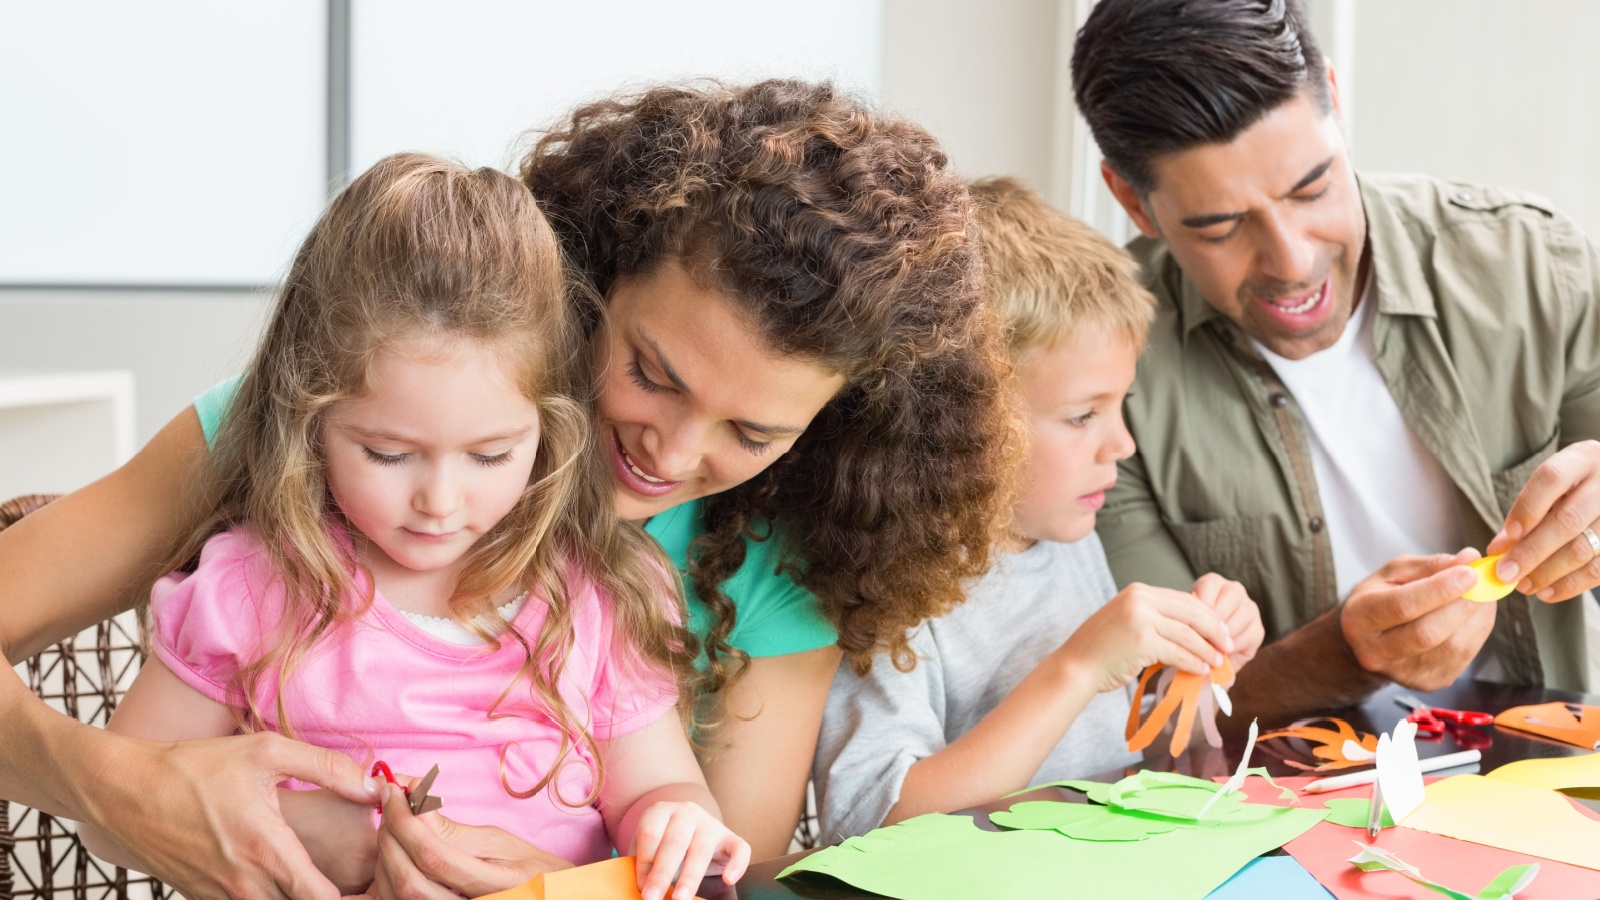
x: 1210, y: 219
x: 677, y: 381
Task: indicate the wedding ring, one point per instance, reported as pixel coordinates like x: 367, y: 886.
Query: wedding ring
x: 1594, y: 542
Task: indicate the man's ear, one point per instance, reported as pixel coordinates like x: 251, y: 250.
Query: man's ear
x: 1129, y: 198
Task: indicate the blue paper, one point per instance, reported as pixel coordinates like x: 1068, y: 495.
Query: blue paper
x: 1271, y: 876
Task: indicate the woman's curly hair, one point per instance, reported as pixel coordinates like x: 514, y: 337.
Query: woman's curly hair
x: 846, y: 238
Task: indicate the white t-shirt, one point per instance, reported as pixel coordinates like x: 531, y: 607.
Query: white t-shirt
x: 1383, y: 492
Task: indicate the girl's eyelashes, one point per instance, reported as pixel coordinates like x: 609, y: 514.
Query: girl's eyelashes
x: 395, y: 459
x: 1080, y: 421
x: 493, y: 459
x: 384, y: 459
x: 636, y: 372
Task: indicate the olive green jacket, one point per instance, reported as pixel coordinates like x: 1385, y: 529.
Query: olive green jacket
x: 1488, y: 335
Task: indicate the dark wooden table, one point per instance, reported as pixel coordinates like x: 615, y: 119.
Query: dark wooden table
x: 1378, y: 714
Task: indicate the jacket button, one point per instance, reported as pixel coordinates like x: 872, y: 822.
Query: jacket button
x: 1315, y: 524
x: 1278, y: 399
x: 1464, y: 196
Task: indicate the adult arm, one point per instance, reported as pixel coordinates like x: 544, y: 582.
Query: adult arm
x: 1405, y: 623
x: 1546, y: 551
x: 194, y: 814
x: 758, y: 756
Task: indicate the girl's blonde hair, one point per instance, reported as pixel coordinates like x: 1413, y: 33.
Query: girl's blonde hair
x: 422, y: 248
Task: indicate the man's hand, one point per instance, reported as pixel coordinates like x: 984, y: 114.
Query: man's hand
x: 1408, y: 622
x: 1547, y: 552
x: 203, y: 815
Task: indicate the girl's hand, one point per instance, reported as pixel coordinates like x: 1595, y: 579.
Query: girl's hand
x: 1144, y: 625
x: 432, y: 856
x: 681, y: 838
x: 336, y: 833
x: 1237, y: 611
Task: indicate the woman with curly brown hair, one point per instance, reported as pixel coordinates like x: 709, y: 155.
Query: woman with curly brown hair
x: 799, y: 391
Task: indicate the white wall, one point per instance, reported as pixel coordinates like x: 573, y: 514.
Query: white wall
x: 1484, y: 90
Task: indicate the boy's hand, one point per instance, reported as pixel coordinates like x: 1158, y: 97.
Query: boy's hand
x: 680, y: 837
x: 1144, y: 625
x: 1238, y: 613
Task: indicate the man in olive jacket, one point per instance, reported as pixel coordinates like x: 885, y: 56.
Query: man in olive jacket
x: 1351, y: 382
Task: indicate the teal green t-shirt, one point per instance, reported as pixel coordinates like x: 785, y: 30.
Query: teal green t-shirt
x: 775, y: 615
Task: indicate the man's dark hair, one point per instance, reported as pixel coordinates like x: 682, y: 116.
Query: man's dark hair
x: 1154, y: 77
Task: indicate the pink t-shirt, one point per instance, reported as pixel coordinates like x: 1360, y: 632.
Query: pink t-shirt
x: 380, y: 687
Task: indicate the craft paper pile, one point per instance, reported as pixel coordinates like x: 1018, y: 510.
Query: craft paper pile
x: 1138, y: 837
x: 1575, y: 776
x: 1325, y: 850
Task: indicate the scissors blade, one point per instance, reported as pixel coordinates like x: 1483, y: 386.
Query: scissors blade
x: 420, y: 801
x: 1408, y: 701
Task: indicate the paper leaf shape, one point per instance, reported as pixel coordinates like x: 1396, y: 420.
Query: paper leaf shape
x: 1399, y: 774
x: 1183, y: 697
x: 1352, y: 812
x: 1505, y: 885
x: 1489, y: 587
x: 612, y: 879
x: 1081, y: 821
x: 1327, y: 743
x: 1556, y: 721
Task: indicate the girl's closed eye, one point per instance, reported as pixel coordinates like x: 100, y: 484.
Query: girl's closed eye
x: 493, y: 459
x: 1080, y: 420
x: 384, y: 459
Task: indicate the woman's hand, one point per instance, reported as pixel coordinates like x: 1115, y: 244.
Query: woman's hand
x: 432, y: 856
x: 204, y: 815
x: 681, y: 838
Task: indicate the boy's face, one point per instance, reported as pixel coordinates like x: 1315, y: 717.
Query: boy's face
x: 1074, y: 392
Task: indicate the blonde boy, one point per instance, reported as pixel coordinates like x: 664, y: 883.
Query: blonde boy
x: 1029, y: 680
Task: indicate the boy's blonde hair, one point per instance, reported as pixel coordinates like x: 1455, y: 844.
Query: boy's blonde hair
x: 1052, y: 277
x: 421, y: 247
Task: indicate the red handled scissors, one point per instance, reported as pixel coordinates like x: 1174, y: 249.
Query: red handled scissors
x: 419, y: 800
x: 1433, y: 721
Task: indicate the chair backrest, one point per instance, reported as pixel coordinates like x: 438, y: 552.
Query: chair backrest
x: 41, y: 857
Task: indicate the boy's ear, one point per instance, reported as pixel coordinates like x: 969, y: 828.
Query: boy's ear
x: 1129, y: 199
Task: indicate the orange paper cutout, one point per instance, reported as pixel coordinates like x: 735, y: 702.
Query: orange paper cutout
x: 613, y: 879
x: 1329, y: 743
x: 1183, y: 696
x: 1557, y: 722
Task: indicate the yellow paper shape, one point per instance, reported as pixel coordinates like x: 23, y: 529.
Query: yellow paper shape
x: 1578, y: 776
x: 1489, y: 587
x: 612, y: 879
x: 1511, y: 816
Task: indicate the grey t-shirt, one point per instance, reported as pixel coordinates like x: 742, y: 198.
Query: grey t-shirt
x: 875, y: 727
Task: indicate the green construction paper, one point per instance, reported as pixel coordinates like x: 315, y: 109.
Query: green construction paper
x: 1098, y: 791
x: 1171, y: 795
x: 1352, y: 812
x: 1082, y: 821
x: 939, y: 857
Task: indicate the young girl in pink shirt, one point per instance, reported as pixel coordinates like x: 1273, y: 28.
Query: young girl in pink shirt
x: 414, y: 556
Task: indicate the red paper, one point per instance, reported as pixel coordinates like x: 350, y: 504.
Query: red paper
x: 1324, y: 851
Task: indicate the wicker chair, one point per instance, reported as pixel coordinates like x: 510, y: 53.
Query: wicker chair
x: 41, y: 857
